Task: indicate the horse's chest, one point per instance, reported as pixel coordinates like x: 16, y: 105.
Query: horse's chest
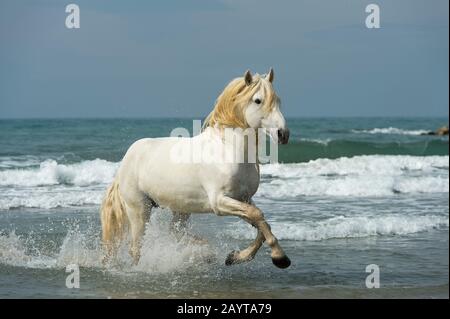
x: 243, y: 182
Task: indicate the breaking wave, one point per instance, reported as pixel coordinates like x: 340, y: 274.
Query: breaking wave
x: 52, y: 185
x: 392, y: 130
x: 359, y: 176
x: 346, y: 227
x: 85, y: 173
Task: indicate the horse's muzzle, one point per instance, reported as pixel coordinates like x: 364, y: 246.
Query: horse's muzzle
x: 283, y: 136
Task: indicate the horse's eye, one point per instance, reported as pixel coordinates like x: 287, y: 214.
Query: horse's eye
x: 258, y: 101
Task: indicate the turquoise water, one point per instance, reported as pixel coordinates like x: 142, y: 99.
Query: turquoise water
x: 348, y: 192
x: 75, y: 140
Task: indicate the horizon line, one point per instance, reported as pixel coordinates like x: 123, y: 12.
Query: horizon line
x: 202, y: 117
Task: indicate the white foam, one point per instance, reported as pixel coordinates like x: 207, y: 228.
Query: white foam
x: 317, y: 140
x: 346, y: 227
x: 54, y: 185
x: 392, y: 130
x: 97, y: 171
x: 45, y: 198
x: 374, y: 175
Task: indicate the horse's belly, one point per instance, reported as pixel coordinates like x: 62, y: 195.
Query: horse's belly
x: 188, y: 206
x: 178, y: 188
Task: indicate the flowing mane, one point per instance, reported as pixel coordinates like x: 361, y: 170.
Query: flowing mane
x: 230, y: 106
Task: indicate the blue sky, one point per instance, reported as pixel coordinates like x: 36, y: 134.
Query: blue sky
x: 172, y: 58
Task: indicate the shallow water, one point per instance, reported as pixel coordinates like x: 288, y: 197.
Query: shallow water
x: 333, y: 216
x: 413, y: 257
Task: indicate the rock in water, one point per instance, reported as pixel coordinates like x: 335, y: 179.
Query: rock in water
x: 442, y: 131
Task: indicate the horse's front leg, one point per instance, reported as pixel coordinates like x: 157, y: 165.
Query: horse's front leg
x: 247, y: 254
x: 252, y: 214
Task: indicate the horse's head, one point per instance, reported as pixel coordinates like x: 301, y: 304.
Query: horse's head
x: 250, y: 102
x: 263, y: 109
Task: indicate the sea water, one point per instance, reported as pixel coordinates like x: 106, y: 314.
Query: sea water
x: 347, y: 193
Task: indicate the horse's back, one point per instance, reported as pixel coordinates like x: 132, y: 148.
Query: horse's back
x: 148, y: 169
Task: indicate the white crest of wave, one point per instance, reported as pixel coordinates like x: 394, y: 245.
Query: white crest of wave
x: 43, y: 198
x: 317, y: 140
x: 56, y: 185
x: 392, y: 130
x: 374, y: 175
x: 346, y: 227
x: 97, y: 171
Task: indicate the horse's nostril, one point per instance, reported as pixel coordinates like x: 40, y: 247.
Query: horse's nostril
x: 280, y: 134
x: 283, y: 136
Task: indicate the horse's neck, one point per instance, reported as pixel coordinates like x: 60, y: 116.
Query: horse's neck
x: 235, y: 138
x: 235, y: 134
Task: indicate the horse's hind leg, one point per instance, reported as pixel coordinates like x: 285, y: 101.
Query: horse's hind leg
x: 138, y: 215
x: 178, y: 226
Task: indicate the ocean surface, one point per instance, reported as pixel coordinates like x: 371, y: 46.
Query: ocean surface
x: 347, y: 193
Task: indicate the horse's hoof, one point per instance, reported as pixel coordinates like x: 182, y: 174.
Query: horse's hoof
x: 231, y: 258
x: 281, y: 262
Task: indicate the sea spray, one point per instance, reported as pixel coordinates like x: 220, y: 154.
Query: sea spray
x: 161, y: 251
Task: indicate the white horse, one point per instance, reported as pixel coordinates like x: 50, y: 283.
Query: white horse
x: 148, y: 176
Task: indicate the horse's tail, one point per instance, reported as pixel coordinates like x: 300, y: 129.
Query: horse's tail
x: 113, y: 217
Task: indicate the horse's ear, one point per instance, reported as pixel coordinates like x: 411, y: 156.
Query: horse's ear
x: 269, y: 76
x: 248, y: 77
